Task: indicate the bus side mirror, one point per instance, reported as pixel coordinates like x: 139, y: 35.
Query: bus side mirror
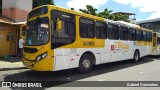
x: 59, y: 24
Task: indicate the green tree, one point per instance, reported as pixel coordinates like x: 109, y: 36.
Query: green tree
x: 37, y: 3
x: 121, y: 17
x: 89, y: 10
x: 106, y: 14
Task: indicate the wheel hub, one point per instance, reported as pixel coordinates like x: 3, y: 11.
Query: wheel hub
x: 86, y: 64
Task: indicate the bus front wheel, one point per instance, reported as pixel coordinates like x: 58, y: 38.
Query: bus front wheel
x: 136, y: 56
x: 85, y: 64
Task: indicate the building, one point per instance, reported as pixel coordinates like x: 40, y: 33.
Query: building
x: 16, y: 10
x: 13, y: 13
x: 130, y: 15
x: 153, y: 24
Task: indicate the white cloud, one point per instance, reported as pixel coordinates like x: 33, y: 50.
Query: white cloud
x: 77, y: 4
x: 151, y: 6
x: 154, y: 15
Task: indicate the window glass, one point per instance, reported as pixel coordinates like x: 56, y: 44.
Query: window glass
x: 39, y: 11
x: 113, y: 31
x: 123, y: 33
x: 139, y: 35
x: 67, y: 31
x: 37, y: 32
x: 144, y: 36
x: 68, y: 25
x: 147, y: 36
x: 132, y: 34
x: 101, y: 30
x: 87, y: 28
x: 67, y: 34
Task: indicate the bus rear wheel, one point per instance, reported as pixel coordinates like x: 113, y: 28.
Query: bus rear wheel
x: 136, y: 56
x: 85, y: 64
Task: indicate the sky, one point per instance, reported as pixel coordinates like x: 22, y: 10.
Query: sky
x: 144, y: 9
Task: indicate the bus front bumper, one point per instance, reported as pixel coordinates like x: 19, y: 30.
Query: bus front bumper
x: 43, y: 65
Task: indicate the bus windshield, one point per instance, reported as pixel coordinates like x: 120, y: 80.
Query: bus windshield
x: 38, y: 32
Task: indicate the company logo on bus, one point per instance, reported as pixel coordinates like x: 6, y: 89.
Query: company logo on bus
x: 121, y: 45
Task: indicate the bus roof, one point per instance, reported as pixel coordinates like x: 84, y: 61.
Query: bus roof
x: 71, y: 11
x: 93, y: 17
x: 110, y: 21
x: 127, y: 24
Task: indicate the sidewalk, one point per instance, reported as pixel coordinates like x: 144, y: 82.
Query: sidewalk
x: 11, y: 63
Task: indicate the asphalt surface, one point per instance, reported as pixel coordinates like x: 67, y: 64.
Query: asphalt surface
x: 147, y: 69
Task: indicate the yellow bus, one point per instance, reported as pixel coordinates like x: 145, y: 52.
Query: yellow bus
x: 156, y: 44
x: 58, y: 39
x: 23, y: 30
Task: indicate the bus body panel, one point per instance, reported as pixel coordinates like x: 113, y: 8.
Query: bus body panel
x: 69, y: 57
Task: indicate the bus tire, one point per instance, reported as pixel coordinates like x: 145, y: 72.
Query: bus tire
x: 136, y: 56
x: 85, y: 64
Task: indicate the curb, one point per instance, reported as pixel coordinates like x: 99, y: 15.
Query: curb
x: 12, y: 68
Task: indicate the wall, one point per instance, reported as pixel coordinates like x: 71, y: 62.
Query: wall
x: 8, y: 7
x: 8, y: 39
x: 23, y: 7
x: 16, y: 10
x: 155, y: 26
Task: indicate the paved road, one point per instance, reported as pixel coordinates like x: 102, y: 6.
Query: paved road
x: 147, y: 69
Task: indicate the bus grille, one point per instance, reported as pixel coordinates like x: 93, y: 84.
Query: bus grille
x: 30, y: 50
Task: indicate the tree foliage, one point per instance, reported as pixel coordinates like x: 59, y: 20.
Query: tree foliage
x: 118, y: 17
x: 89, y: 10
x: 37, y: 3
x: 105, y: 14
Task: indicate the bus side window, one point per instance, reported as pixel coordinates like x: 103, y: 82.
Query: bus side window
x: 68, y: 25
x: 144, y: 36
x: 123, y: 33
x: 101, y: 30
x: 147, y: 36
x: 113, y: 32
x: 139, y: 35
x: 67, y: 33
x: 87, y: 28
x: 132, y: 34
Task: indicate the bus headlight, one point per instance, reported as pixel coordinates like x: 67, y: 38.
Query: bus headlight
x: 38, y: 58
x: 42, y: 56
